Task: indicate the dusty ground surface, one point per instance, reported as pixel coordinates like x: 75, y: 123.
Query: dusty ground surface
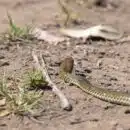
x: 88, y: 113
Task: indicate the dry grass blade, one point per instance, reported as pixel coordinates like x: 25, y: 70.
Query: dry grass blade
x: 70, y: 15
x: 4, y: 112
x: 65, y: 11
x: 16, y: 33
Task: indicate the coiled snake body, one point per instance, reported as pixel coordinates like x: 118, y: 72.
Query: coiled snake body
x: 66, y: 73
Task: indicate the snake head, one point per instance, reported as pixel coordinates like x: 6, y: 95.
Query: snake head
x: 66, y: 67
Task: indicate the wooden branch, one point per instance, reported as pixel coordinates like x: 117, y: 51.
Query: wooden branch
x: 42, y: 67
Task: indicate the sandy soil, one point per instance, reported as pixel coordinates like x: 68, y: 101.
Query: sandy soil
x: 88, y: 113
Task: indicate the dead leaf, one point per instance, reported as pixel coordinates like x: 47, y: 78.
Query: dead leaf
x: 2, y: 102
x: 4, y: 112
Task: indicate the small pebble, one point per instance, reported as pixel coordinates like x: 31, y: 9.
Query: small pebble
x: 113, y: 78
x: 127, y: 111
x: 108, y: 106
x: 4, y: 63
x: 99, y: 64
x: 75, y: 121
x: 94, y: 119
x: 101, y: 54
x: 88, y: 70
x: 2, y: 57
x: 2, y: 124
x: 114, y: 123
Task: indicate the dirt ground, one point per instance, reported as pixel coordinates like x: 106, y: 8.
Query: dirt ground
x: 88, y: 112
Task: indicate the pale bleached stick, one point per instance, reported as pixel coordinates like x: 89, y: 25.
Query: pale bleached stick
x: 42, y: 67
x: 101, y: 31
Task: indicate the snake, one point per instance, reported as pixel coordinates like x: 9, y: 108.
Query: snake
x: 67, y: 74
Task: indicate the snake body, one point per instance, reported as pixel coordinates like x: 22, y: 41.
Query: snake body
x: 66, y: 73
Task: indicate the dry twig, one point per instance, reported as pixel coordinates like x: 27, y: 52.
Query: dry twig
x: 42, y: 67
x: 46, y: 36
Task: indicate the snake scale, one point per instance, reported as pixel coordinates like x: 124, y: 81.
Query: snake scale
x: 66, y: 74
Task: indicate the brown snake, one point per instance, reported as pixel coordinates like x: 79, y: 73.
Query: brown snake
x: 115, y: 97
